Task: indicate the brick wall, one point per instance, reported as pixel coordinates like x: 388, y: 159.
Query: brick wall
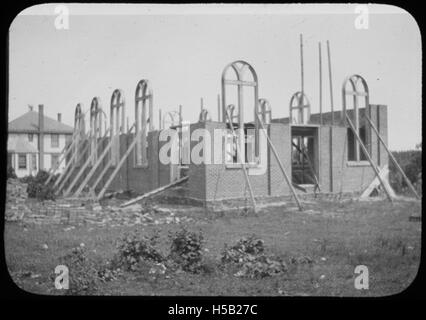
x: 215, y: 182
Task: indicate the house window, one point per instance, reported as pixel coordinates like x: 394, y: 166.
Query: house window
x: 54, y: 160
x: 33, y: 161
x: 54, y: 140
x: 30, y: 137
x: 10, y: 160
x: 352, y: 155
x: 68, y: 138
x: 22, y: 161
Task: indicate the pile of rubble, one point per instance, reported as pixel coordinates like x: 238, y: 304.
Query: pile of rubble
x: 136, y: 214
x: 82, y: 211
x: 16, y: 197
x: 93, y: 213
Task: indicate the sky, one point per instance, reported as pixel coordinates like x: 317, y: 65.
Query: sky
x: 183, y: 49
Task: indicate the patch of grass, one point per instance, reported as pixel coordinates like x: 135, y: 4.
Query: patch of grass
x: 321, y: 251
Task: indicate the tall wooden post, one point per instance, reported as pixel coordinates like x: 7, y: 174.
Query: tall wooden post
x: 320, y: 81
x: 331, y: 83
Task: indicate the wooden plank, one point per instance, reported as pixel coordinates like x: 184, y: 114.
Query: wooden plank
x: 310, y: 165
x: 93, y: 170
x: 242, y: 163
x: 369, y: 158
x: 83, y: 168
x: 331, y: 83
x: 281, y: 165
x: 118, y: 167
x: 376, y: 182
x: 70, y: 163
x: 355, y: 93
x: 64, y: 153
x: 407, y: 181
x: 155, y: 191
x: 99, y: 178
x: 299, y: 187
x: 241, y: 83
x: 72, y: 168
x: 320, y: 81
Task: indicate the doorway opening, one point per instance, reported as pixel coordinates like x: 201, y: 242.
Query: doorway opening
x: 304, y: 156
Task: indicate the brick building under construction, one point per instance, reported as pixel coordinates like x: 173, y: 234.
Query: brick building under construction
x: 331, y: 153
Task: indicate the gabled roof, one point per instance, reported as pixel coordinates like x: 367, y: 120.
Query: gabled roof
x: 28, y: 123
x: 20, y: 145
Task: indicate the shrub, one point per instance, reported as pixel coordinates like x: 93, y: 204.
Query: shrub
x: 134, y: 248
x: 249, y: 257
x: 37, y: 188
x: 411, y: 164
x: 261, y: 266
x: 186, y: 250
x: 11, y: 173
x: 244, y: 247
x: 83, y: 276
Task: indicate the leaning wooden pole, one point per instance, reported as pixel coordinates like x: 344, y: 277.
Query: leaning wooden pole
x: 83, y: 168
x: 242, y: 163
x: 364, y: 149
x: 62, y: 184
x: 218, y: 108
x: 65, y: 152
x: 118, y: 167
x: 155, y: 191
x: 320, y: 82
x: 330, y: 79
x: 70, y: 163
x: 274, y: 151
x: 407, y: 181
x: 302, y: 82
x: 97, y: 164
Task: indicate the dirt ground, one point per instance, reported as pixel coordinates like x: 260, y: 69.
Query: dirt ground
x: 335, y: 236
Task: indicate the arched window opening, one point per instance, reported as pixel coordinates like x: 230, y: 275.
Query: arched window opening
x: 240, y: 74
x: 356, y: 87
x: 265, y: 112
x: 116, y: 124
x: 79, y: 133
x: 300, y: 109
x: 95, y: 127
x: 143, y: 120
x: 204, y: 116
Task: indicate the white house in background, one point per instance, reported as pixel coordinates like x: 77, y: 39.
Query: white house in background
x: 36, y: 141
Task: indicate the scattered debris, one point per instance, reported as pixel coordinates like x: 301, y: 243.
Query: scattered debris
x: 16, y: 197
x: 84, y: 211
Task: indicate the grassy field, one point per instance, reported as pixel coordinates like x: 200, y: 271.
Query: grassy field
x: 336, y: 237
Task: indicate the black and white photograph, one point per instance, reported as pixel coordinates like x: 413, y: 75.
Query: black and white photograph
x: 213, y: 150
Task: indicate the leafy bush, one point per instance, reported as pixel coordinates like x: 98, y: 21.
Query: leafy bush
x: 37, y: 188
x: 134, y: 248
x: 249, y: 257
x: 11, y: 173
x: 186, y: 250
x: 411, y: 164
x: 244, y: 248
x: 261, y: 266
x: 83, y: 276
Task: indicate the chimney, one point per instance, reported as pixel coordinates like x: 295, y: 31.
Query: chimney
x: 41, y: 136
x: 30, y: 107
x: 59, y: 117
